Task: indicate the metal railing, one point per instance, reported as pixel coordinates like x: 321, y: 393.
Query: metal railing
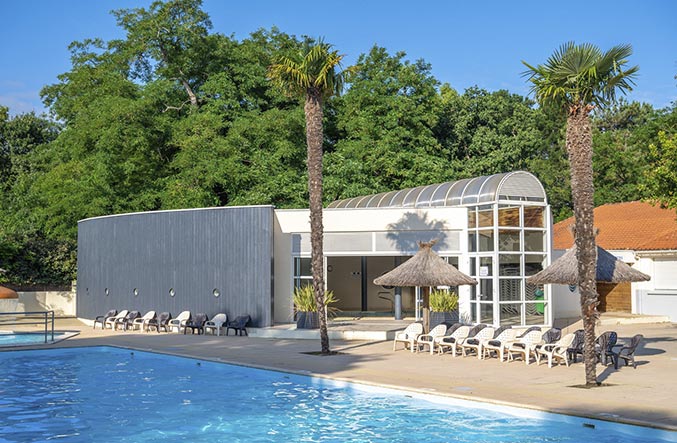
x: 30, y: 318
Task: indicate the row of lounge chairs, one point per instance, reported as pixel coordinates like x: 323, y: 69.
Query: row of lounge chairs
x: 185, y: 321
x: 509, y: 344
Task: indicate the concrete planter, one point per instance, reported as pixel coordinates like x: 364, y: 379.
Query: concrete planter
x: 307, y: 320
x: 443, y: 317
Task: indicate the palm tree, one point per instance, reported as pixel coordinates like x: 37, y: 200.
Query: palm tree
x: 312, y: 74
x: 577, y: 79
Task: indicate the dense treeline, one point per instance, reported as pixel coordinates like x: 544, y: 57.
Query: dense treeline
x: 176, y: 115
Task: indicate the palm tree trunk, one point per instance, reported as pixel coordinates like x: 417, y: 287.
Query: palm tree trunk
x: 314, y: 136
x: 579, y: 148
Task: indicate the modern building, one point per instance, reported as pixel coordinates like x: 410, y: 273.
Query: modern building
x: 641, y: 235
x: 249, y: 259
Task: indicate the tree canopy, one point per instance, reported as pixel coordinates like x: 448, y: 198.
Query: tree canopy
x: 123, y: 135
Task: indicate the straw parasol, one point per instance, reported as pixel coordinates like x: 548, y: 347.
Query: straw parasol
x: 564, y: 270
x: 425, y: 269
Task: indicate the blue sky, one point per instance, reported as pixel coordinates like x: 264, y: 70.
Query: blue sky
x: 467, y: 42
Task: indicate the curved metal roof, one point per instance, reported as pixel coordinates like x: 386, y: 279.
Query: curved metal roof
x: 511, y: 186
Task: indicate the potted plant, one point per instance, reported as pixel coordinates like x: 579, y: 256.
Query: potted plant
x: 443, y: 307
x: 306, y: 309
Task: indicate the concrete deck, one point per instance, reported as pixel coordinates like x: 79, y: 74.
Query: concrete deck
x: 646, y: 395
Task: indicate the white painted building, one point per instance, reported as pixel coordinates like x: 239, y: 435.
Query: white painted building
x: 494, y: 228
x: 641, y: 235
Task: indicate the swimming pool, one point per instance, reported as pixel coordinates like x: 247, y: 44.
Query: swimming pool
x: 30, y: 338
x: 117, y: 395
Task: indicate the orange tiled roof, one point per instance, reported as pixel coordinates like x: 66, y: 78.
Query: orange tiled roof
x: 634, y: 225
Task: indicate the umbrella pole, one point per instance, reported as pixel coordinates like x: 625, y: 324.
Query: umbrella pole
x: 425, y: 292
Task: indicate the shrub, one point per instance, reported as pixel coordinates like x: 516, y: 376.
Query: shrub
x: 443, y: 301
x: 304, y: 300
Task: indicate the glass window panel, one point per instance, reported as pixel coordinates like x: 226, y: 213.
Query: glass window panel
x: 510, y: 289
x: 533, y: 264
x: 535, y: 313
x: 534, y: 241
x: 453, y: 261
x: 302, y: 267
x: 511, y: 314
x: 534, y: 217
x: 509, y: 265
x: 485, y: 216
x: 303, y: 282
x: 534, y: 292
x: 486, y: 289
x: 472, y: 218
x: 473, y: 313
x: 509, y: 216
x: 486, y: 268
x: 508, y: 240
x: 472, y: 242
x: 486, y: 313
x: 486, y: 239
x: 473, y: 267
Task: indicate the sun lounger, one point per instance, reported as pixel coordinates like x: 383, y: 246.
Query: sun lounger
x: 127, y: 320
x: 604, y: 347
x: 555, y: 351
x: 101, y: 319
x: 216, y: 324
x: 111, y: 321
x: 500, y: 342
x: 197, y: 323
x: 627, y: 353
x: 141, y: 323
x: 576, y: 347
x: 454, y: 342
x: 525, y: 346
x: 429, y: 339
x: 475, y: 343
x: 408, y: 336
x: 179, y: 322
x: 450, y: 341
x: 161, y: 322
x: 239, y: 325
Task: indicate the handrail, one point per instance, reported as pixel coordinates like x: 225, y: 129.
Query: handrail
x: 43, y: 317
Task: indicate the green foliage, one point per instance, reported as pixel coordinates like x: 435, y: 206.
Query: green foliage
x: 579, y: 75
x: 443, y: 301
x: 304, y: 300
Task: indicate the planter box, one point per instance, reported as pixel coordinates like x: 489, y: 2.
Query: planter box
x: 307, y: 320
x: 443, y: 317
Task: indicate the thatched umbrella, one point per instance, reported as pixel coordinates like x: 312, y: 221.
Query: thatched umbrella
x: 425, y: 269
x: 564, y: 270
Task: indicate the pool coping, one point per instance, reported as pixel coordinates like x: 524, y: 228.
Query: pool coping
x: 428, y: 392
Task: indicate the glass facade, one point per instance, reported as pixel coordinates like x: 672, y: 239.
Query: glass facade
x: 506, y: 244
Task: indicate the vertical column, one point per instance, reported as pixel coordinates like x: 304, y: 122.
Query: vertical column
x: 363, y: 272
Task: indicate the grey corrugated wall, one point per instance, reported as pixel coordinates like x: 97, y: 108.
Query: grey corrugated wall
x: 191, y: 251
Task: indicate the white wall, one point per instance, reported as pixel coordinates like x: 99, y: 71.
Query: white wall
x: 61, y: 302
x: 657, y: 296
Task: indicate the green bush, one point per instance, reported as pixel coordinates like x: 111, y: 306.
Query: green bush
x: 443, y: 301
x: 304, y: 300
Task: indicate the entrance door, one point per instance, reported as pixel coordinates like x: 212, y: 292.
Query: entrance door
x: 614, y: 297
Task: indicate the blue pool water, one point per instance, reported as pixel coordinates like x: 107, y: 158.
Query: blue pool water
x: 116, y: 395
x: 30, y: 338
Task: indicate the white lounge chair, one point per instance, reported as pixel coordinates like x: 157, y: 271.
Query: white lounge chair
x: 452, y: 341
x: 179, y: 322
x: 525, y: 346
x: 216, y: 324
x: 499, y: 344
x: 141, y: 323
x: 475, y: 343
x: 556, y: 351
x: 408, y: 336
x: 111, y: 321
x: 428, y: 339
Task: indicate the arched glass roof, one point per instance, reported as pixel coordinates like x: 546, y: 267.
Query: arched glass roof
x: 510, y: 186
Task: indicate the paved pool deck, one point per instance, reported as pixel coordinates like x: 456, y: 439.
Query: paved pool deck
x: 646, y: 395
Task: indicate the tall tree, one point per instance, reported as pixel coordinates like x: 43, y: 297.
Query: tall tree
x: 578, y: 78
x: 313, y: 73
